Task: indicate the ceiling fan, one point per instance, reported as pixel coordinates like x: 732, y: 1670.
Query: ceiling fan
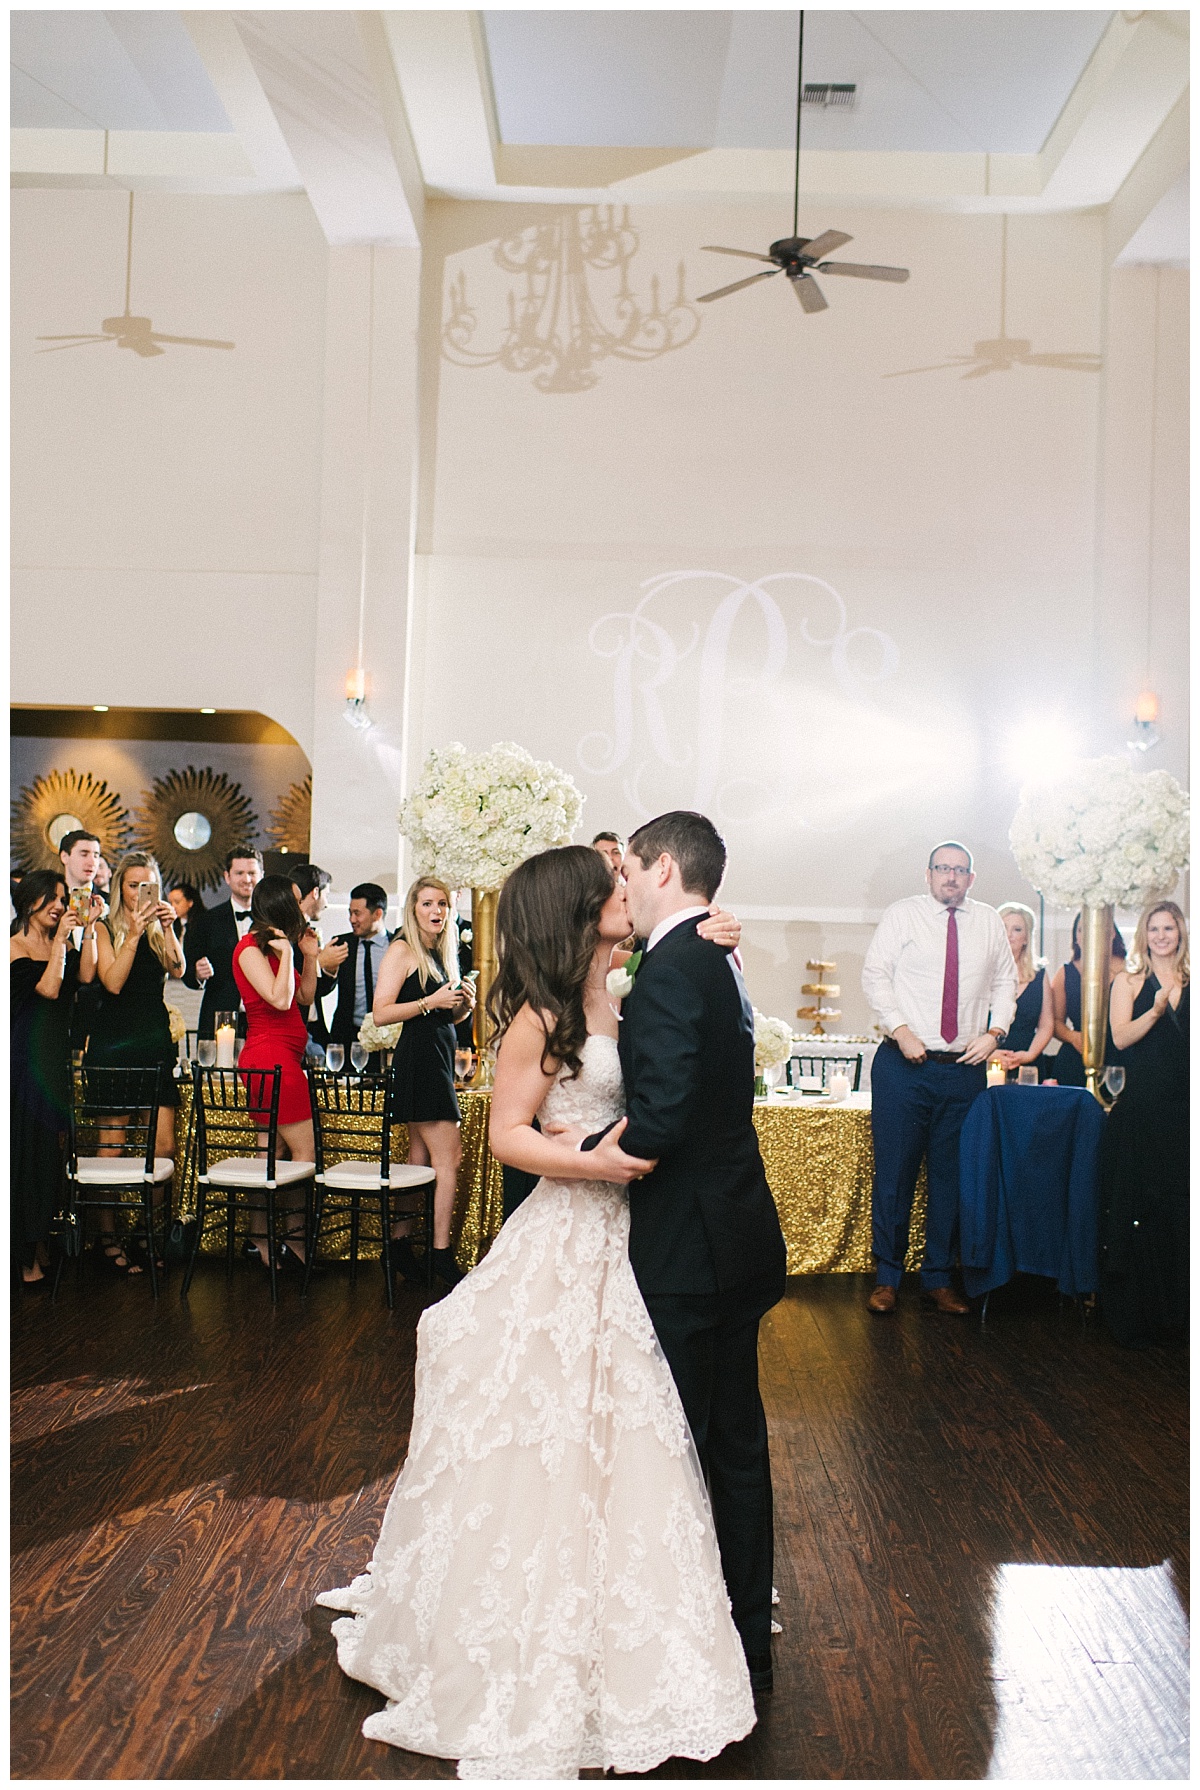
x: 136, y: 333
x: 799, y: 257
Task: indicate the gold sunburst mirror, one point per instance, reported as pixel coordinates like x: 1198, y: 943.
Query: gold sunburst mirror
x: 190, y: 820
x: 290, y: 826
x: 61, y: 803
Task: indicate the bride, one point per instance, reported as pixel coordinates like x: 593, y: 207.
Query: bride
x: 546, y: 1592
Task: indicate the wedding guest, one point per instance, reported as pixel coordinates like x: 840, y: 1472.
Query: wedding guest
x: 419, y: 986
x: 223, y: 926
x: 355, y: 959
x: 612, y: 847
x: 938, y: 966
x: 185, y: 898
x: 310, y: 883
x: 79, y: 854
x: 1066, y: 991
x: 1144, y: 1278
x: 264, y: 972
x: 103, y: 876
x: 44, y: 969
x: 138, y: 952
x: 1033, y: 1022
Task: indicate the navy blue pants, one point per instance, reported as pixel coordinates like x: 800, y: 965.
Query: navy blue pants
x: 917, y: 1110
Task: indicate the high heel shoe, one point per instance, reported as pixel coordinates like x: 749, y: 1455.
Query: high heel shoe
x: 445, y: 1266
x: 405, y: 1263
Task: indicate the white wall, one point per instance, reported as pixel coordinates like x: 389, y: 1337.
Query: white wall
x: 191, y: 510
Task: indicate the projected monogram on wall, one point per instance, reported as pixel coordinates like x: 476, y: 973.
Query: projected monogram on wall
x: 689, y: 696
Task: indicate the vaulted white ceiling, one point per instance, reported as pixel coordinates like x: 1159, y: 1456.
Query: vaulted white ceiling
x: 369, y: 112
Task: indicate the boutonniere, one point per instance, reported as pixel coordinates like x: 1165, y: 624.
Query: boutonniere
x: 619, y: 982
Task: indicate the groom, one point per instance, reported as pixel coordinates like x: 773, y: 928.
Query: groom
x: 704, y: 1237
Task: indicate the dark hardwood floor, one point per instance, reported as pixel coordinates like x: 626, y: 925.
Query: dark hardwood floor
x: 981, y: 1536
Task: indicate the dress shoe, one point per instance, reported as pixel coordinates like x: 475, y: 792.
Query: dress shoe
x: 445, y: 1266
x: 947, y: 1300
x: 882, y: 1299
x: 761, y: 1676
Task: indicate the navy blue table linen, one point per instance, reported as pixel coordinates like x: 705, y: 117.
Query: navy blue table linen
x: 1029, y: 1198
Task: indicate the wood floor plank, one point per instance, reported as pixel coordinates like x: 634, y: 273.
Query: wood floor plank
x: 187, y: 1477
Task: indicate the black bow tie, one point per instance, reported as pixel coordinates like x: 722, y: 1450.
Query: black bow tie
x: 241, y: 913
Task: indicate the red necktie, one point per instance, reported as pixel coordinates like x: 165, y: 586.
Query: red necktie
x: 950, y: 981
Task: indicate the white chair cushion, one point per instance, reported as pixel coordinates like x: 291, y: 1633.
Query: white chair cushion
x: 361, y: 1177
x: 251, y: 1171
x: 120, y: 1171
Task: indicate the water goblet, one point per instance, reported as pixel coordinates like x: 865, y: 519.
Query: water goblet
x: 335, y: 1058
x: 463, y: 1060
x: 1114, y: 1079
x: 206, y: 1052
x: 358, y: 1056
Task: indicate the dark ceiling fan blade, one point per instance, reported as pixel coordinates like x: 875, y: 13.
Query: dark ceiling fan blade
x: 746, y: 254
x: 707, y: 297
x: 859, y: 270
x: 190, y: 341
x: 809, y: 293
x: 817, y: 246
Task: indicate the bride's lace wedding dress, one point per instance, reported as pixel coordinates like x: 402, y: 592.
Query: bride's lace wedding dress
x: 546, y: 1592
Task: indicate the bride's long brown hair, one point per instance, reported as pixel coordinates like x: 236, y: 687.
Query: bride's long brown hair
x: 547, y: 928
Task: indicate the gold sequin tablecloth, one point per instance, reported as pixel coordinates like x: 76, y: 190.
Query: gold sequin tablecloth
x: 818, y: 1161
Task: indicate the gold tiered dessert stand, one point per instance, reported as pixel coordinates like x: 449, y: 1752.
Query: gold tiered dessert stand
x: 820, y: 988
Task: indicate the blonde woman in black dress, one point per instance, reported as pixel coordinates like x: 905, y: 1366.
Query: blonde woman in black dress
x: 138, y: 953
x: 419, y: 987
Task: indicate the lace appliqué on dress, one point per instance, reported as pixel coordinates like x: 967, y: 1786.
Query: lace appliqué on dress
x: 546, y: 1592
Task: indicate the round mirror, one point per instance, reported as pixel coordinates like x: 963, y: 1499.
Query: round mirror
x: 60, y: 826
x: 193, y: 830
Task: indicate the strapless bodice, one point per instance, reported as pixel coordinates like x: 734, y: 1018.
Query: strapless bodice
x: 593, y: 1098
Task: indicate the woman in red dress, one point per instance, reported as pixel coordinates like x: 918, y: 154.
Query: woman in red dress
x: 264, y: 970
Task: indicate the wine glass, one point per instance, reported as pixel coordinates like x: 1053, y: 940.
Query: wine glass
x: 463, y: 1060
x: 206, y: 1052
x: 335, y: 1058
x: 358, y: 1056
x: 1114, y: 1079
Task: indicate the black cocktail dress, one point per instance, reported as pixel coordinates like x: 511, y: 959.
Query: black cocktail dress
x: 40, y: 1033
x: 422, y: 1080
x: 131, y: 1029
x: 1144, y: 1269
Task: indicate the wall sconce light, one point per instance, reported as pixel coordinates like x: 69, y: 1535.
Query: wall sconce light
x: 356, y: 698
x: 1145, y: 734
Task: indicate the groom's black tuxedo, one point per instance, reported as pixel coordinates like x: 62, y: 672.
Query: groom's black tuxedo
x: 704, y: 1237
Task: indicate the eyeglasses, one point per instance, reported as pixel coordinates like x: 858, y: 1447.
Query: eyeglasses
x: 950, y: 869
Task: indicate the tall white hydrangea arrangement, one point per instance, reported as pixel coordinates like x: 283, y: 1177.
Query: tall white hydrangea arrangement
x: 1104, y: 836
x: 772, y: 1041
x: 472, y: 817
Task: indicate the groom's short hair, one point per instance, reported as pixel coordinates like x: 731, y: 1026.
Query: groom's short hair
x: 693, y: 842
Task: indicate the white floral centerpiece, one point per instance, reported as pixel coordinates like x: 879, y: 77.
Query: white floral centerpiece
x: 472, y: 817
x: 1104, y: 836
x: 772, y: 1046
x: 374, y: 1037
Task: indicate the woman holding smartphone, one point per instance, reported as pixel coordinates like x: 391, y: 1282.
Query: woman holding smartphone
x: 138, y: 952
x: 419, y: 986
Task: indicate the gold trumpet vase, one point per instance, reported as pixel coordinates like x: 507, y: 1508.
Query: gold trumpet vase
x: 1095, y: 937
x: 483, y: 948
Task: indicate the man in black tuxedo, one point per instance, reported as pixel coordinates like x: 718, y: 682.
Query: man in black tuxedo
x: 351, y: 964
x: 705, y: 1242
x: 219, y: 930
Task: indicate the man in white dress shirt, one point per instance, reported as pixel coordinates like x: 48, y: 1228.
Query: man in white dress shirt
x: 941, y: 979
